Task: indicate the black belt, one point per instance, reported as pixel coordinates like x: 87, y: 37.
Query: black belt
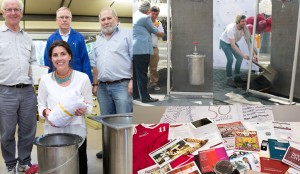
x: 113, y: 82
x: 21, y: 85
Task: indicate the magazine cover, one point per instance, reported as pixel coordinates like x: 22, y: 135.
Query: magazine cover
x: 243, y: 161
x: 190, y: 168
x: 292, y: 157
x: 169, y: 152
x: 155, y: 169
x: 227, y: 131
x: 246, y: 141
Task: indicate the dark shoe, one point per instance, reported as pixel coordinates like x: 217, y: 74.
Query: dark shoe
x: 238, y: 79
x: 231, y: 83
x: 10, y: 170
x: 135, y: 98
x: 148, y: 100
x: 99, y: 155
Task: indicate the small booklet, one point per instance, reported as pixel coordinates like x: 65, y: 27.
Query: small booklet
x: 209, y: 158
x: 277, y: 148
x: 246, y: 141
x: 169, y: 152
x: 269, y: 165
x: 292, y: 157
x: 190, y: 168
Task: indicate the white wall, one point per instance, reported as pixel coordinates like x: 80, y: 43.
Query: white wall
x: 224, y: 13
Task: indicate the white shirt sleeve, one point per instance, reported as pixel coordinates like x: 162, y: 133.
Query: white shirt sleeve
x: 160, y: 27
x: 86, y: 91
x: 42, y: 97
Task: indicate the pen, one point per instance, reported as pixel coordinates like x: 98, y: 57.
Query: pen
x: 215, y: 145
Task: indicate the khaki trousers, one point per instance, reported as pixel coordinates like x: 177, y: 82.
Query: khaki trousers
x: 153, y: 67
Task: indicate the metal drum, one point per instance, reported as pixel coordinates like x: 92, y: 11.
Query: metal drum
x: 58, y: 153
x: 196, y: 69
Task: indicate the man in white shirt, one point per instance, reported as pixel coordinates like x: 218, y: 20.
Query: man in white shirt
x: 228, y: 43
x: 154, y: 12
x: 17, y: 96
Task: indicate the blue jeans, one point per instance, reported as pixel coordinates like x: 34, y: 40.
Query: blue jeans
x: 114, y: 98
x: 229, y: 52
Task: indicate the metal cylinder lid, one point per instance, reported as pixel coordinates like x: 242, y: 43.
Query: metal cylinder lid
x: 57, y: 140
x: 115, y: 121
x: 196, y: 56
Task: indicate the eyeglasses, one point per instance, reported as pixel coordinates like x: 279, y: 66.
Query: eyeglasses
x: 64, y: 17
x: 10, y: 10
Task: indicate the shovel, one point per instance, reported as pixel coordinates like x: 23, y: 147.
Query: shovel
x: 268, y: 72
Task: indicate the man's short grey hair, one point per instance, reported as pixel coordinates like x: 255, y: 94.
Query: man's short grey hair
x: 21, y: 5
x: 61, y: 9
x: 113, y: 11
x: 144, y: 7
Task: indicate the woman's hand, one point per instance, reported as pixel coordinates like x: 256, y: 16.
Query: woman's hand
x: 80, y: 111
x: 46, y: 113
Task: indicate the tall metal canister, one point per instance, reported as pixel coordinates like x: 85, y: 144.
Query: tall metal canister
x: 196, y: 68
x: 117, y: 131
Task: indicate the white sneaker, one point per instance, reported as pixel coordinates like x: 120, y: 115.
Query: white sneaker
x: 156, y: 88
x: 10, y: 170
x: 23, y: 168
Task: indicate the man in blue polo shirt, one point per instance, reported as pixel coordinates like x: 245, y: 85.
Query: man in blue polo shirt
x: 76, y: 41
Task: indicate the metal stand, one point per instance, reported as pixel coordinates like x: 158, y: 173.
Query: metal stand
x: 291, y: 96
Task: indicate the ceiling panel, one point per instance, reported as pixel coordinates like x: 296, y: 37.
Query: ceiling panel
x: 78, y: 7
x: 41, y: 6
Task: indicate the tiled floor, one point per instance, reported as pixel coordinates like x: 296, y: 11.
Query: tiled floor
x: 94, y: 145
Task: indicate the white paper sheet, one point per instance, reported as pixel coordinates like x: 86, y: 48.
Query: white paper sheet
x: 177, y: 114
x: 256, y: 113
x: 186, y: 114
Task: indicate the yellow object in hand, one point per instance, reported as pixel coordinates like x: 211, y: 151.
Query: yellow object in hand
x: 257, y: 39
x: 156, y: 23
